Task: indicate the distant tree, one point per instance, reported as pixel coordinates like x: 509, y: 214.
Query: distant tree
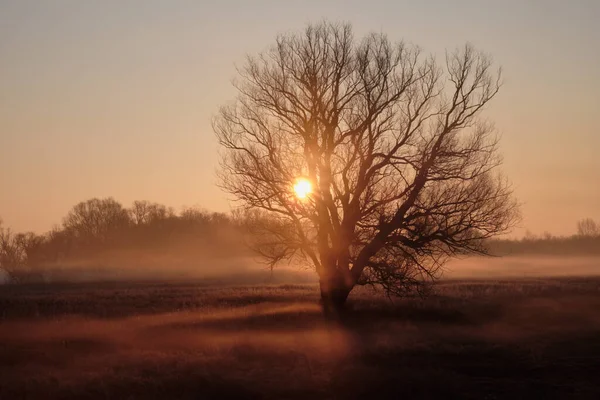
x: 145, y: 212
x: 194, y: 216
x: 219, y: 219
x: 529, y: 236
x: 58, y: 244
x: 547, y: 235
x: 399, y: 171
x: 588, y: 228
x: 94, y: 219
x: 12, y: 253
x: 32, y: 246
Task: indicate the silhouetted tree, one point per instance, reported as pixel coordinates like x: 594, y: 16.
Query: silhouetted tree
x: 33, y: 248
x: 402, y: 167
x: 588, y: 228
x: 194, y: 215
x: 13, y: 251
x: 93, y: 220
x: 58, y: 244
x: 145, y: 212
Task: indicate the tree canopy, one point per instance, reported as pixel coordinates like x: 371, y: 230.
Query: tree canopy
x: 402, y: 166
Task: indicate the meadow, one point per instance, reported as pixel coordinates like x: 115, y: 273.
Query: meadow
x: 470, y: 339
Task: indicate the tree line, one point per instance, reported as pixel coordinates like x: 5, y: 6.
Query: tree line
x: 100, y: 226
x: 586, y: 241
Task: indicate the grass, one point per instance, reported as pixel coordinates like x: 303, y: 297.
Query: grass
x: 481, y: 339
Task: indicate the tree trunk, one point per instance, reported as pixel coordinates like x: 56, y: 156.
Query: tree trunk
x: 334, y: 292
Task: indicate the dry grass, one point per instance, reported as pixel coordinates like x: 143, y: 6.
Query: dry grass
x: 472, y: 339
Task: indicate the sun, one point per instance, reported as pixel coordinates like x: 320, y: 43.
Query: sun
x: 302, y: 188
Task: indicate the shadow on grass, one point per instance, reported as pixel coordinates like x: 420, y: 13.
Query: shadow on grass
x: 567, y: 368
x: 358, y: 318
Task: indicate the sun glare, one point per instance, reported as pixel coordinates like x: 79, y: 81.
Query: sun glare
x: 302, y: 188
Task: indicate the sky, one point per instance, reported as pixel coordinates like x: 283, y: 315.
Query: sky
x: 115, y: 98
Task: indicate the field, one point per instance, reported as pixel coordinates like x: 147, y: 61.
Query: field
x: 477, y: 339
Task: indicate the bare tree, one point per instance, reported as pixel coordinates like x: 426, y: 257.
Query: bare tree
x: 144, y: 212
x: 403, y: 170
x: 11, y: 256
x: 587, y: 227
x: 194, y: 215
x: 18, y: 251
x: 95, y: 218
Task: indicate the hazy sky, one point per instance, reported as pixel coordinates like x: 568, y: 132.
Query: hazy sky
x: 114, y: 98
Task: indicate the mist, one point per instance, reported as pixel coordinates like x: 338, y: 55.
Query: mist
x: 523, y: 266
x: 102, y: 240
x: 186, y: 265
